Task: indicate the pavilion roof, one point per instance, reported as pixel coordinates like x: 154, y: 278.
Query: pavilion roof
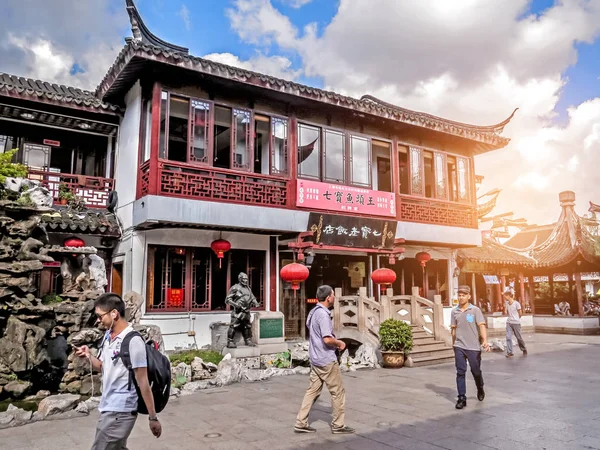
x: 570, y: 239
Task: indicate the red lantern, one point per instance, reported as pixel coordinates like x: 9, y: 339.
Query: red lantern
x: 74, y: 242
x: 220, y: 246
x: 423, y: 258
x: 294, y: 273
x: 383, y: 277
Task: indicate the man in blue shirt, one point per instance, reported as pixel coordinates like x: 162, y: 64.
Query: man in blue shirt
x: 468, y: 330
x: 324, y: 366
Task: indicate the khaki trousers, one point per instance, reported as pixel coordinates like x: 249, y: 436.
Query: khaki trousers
x: 112, y: 430
x: 331, y: 376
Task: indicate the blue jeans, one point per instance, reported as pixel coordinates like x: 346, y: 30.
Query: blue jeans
x: 461, y: 356
x: 514, y: 328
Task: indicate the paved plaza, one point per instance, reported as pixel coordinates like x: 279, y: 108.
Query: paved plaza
x: 547, y: 400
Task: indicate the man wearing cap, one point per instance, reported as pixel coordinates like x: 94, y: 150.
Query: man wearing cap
x: 468, y: 330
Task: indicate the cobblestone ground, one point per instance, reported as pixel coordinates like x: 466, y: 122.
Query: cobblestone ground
x: 547, y: 400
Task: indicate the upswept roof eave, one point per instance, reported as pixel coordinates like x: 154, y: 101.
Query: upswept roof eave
x: 488, y: 135
x: 41, y: 91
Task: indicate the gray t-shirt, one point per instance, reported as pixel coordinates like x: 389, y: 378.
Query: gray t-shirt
x: 513, y: 312
x: 320, y: 325
x: 467, y: 327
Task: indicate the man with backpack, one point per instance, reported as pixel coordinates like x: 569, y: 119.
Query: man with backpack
x: 119, y: 402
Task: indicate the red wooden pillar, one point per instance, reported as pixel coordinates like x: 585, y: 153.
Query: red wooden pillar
x: 531, y: 293
x: 153, y: 176
x: 498, y: 299
x: 521, y: 289
x: 293, y: 161
x: 273, y: 273
x: 395, y: 164
x: 502, y: 289
x: 579, y: 290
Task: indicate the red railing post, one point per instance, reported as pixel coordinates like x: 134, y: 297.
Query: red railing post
x: 153, y: 168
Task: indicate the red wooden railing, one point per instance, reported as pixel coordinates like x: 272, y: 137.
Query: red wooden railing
x: 93, y: 190
x: 438, y: 212
x: 181, y: 180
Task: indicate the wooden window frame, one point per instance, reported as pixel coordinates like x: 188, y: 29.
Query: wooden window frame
x: 188, y: 304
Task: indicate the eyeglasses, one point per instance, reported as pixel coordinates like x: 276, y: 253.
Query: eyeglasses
x: 100, y: 316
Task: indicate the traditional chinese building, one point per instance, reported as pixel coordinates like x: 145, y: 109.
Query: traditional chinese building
x: 220, y: 171
x: 281, y: 172
x: 567, y: 252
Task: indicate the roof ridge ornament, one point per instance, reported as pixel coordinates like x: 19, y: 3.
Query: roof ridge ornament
x: 142, y: 34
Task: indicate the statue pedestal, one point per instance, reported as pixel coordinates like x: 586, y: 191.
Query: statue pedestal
x: 268, y: 328
x: 242, y: 352
x: 269, y: 349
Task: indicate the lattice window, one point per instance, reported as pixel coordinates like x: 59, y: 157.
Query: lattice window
x: 416, y: 171
x: 463, y: 179
x: 279, y: 146
x: 200, y: 132
x: 437, y: 213
x: 201, y: 278
x: 440, y: 175
x: 242, y: 140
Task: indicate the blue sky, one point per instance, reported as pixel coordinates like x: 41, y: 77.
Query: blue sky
x: 210, y: 32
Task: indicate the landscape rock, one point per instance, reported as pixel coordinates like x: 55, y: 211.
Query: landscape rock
x: 92, y: 403
x: 302, y: 370
x: 200, y: 371
x: 366, y: 355
x: 133, y: 307
x: 300, y: 354
x: 175, y: 391
x: 182, y: 370
x: 194, y: 386
x: 82, y: 408
x: 408, y: 362
x: 41, y: 196
x: 228, y: 372
x: 17, y: 389
x: 86, y: 336
x: 91, y: 383
x: 20, y: 348
x: 74, y: 387
x: 151, y: 333
x: 57, y: 404
x: 43, y: 394
x: 253, y: 375
x: 498, y: 345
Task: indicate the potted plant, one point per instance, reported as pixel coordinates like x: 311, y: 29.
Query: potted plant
x: 64, y: 194
x: 395, y: 337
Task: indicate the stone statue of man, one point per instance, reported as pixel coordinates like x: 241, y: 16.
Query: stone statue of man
x: 241, y: 300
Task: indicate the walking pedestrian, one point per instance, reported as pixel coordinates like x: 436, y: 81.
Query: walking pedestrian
x: 324, y: 367
x: 469, y: 335
x: 119, y: 402
x: 512, y: 308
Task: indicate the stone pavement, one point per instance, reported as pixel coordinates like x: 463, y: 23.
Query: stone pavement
x: 547, y: 400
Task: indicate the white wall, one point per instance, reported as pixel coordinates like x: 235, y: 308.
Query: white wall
x: 175, y: 326
x: 126, y: 157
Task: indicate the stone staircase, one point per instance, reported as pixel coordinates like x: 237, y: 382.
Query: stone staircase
x: 427, y: 350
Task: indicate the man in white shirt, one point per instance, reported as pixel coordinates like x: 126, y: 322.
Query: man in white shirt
x: 119, y: 401
x: 512, y: 308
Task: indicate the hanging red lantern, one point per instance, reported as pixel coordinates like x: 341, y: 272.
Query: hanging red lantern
x: 295, y: 274
x: 423, y: 258
x: 220, y: 246
x: 383, y: 277
x: 74, y: 242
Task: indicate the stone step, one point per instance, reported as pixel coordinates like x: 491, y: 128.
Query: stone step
x: 418, y: 340
x: 439, y: 350
x: 432, y: 360
x: 429, y: 345
x: 419, y: 334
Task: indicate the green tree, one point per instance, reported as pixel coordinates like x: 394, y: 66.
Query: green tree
x: 9, y: 168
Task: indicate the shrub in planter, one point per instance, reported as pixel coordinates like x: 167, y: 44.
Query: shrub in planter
x: 395, y: 337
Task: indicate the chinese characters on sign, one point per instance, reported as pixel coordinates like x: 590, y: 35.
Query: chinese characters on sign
x: 334, y: 197
x: 174, y: 298
x: 347, y: 231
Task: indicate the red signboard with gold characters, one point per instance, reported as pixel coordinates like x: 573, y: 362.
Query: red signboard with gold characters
x: 175, y: 298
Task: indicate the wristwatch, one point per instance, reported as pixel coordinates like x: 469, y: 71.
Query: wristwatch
x: 153, y: 419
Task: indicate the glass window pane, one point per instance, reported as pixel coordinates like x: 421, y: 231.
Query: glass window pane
x: 222, y: 137
x: 179, y: 111
x: 201, y: 119
x: 200, y: 273
x: 241, y: 157
x: 279, y: 142
x: 148, y: 131
x: 164, y: 106
x: 440, y: 175
x: 428, y: 174
x: 403, y: 163
x: 262, y: 139
x: 452, y: 179
x: 360, y: 160
x: 416, y: 171
x: 309, y: 151
x: 334, y: 156
x: 463, y: 180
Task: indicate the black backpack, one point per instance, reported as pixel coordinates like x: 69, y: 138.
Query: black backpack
x: 159, y: 373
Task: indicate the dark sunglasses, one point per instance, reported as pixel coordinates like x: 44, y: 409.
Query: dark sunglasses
x: 100, y: 316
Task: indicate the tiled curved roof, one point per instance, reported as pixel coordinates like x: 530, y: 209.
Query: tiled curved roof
x: 36, y: 90
x: 492, y: 252
x: 89, y: 222
x: 145, y: 51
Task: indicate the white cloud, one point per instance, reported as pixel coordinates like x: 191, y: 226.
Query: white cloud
x: 465, y: 60
x: 45, y: 39
x: 277, y: 66
x: 296, y: 3
x: 184, y: 13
